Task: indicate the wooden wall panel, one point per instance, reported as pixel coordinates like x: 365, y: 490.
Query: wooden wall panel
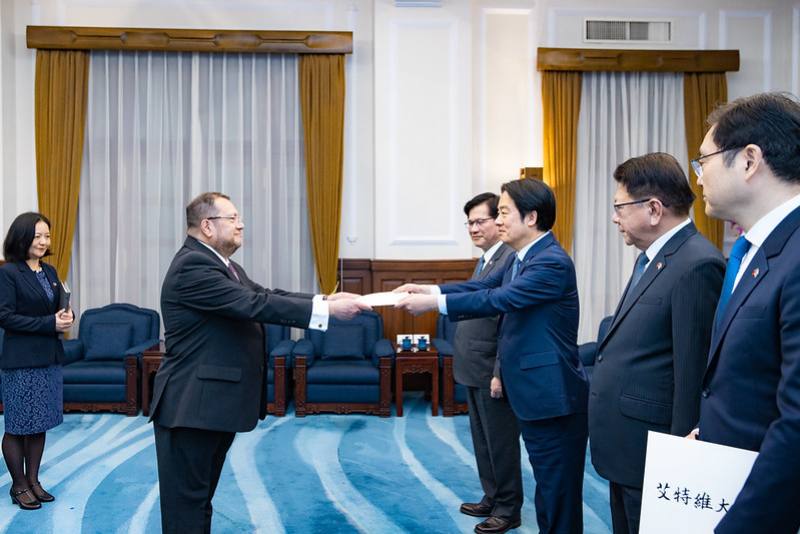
x: 371, y: 276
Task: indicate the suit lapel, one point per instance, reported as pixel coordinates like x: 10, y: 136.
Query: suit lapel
x: 542, y: 244
x: 30, y: 278
x: 195, y: 244
x: 496, y: 262
x: 654, y: 269
x: 751, y: 278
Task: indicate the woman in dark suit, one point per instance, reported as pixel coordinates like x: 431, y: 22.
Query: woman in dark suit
x: 30, y: 364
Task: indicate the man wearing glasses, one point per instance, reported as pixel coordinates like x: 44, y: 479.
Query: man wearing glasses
x: 211, y: 382
x: 495, y: 435
x: 749, y: 169
x: 649, y: 366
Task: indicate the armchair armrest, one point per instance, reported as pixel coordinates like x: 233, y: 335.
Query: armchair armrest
x: 305, y: 348
x: 284, y: 348
x: 445, y: 349
x: 382, y: 349
x: 73, y: 350
x: 138, y: 350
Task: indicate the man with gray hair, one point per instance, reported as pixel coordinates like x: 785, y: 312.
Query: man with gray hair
x: 211, y: 382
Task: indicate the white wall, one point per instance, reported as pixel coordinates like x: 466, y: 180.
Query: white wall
x: 442, y: 103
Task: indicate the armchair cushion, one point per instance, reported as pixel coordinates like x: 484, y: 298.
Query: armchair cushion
x: 95, y: 372
x: 106, y: 341
x: 345, y: 341
x: 343, y: 372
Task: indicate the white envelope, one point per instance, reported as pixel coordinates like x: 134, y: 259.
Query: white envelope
x: 385, y: 298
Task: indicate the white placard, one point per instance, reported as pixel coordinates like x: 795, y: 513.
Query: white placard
x: 386, y: 298
x: 689, y: 485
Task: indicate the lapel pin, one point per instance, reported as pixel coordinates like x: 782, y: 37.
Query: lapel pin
x: 659, y: 265
x: 755, y: 272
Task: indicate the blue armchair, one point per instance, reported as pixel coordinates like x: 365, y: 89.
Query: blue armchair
x: 588, y: 351
x: 346, y: 369
x: 279, y: 363
x: 101, y: 369
x: 454, y: 396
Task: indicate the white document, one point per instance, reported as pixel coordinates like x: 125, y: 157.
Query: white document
x: 689, y: 485
x: 386, y: 298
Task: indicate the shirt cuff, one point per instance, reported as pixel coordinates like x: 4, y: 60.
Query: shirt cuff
x: 442, y: 300
x: 319, y: 313
x: 435, y: 290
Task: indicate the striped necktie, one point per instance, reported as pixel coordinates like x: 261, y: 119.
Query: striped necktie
x: 515, y: 268
x: 479, y: 267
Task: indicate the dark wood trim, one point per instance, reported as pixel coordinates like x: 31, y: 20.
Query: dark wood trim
x: 189, y: 40
x: 449, y: 405
x: 278, y: 406
x: 627, y: 60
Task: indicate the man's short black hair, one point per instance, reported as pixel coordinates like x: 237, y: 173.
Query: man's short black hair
x: 657, y: 175
x: 530, y: 194
x: 202, y: 207
x: 20, y: 236
x: 769, y: 120
x: 490, y: 199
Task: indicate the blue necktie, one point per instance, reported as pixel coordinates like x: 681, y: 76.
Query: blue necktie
x: 515, y: 268
x: 479, y: 267
x: 738, y: 252
x: 638, y: 271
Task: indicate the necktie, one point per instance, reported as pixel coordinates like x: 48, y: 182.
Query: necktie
x: 515, y: 268
x: 233, y: 272
x: 638, y: 271
x: 479, y: 267
x: 738, y: 252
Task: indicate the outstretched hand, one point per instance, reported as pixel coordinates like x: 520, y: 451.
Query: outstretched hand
x: 346, y: 309
x: 418, y: 304
x: 342, y: 295
x: 413, y: 288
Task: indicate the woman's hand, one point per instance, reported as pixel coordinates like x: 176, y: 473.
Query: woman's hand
x: 64, y: 320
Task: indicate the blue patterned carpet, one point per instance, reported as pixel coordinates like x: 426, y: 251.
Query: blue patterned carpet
x: 324, y: 474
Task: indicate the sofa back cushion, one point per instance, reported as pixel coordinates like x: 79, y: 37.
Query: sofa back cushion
x: 107, y: 341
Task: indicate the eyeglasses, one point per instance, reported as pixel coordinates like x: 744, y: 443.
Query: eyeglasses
x: 618, y: 207
x: 477, y: 222
x: 697, y: 167
x: 233, y: 218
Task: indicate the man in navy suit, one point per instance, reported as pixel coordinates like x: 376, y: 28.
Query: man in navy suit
x: 537, y: 352
x: 749, y: 168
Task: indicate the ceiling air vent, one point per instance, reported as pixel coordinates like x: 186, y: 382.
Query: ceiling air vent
x: 631, y: 31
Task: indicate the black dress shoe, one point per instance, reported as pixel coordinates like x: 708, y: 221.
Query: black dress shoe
x: 496, y: 525
x: 40, y: 493
x: 476, y: 509
x: 27, y: 501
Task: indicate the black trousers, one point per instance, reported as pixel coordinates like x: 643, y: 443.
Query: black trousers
x: 557, y: 452
x: 626, y: 507
x: 495, y: 439
x: 189, y: 465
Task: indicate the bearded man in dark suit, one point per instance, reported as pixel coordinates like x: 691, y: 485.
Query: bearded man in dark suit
x: 211, y: 382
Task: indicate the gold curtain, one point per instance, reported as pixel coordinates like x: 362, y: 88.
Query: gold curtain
x: 322, y: 89
x: 561, y: 102
x: 60, y: 115
x: 702, y: 92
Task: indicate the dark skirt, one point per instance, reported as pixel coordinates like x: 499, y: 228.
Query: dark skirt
x: 33, y: 399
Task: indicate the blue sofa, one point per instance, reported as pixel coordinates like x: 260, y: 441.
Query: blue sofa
x: 102, y: 366
x: 346, y: 369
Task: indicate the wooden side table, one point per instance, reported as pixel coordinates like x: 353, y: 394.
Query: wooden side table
x: 408, y: 362
x: 151, y: 361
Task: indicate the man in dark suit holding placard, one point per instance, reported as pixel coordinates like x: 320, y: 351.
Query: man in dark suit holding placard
x: 649, y: 365
x: 211, y: 382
